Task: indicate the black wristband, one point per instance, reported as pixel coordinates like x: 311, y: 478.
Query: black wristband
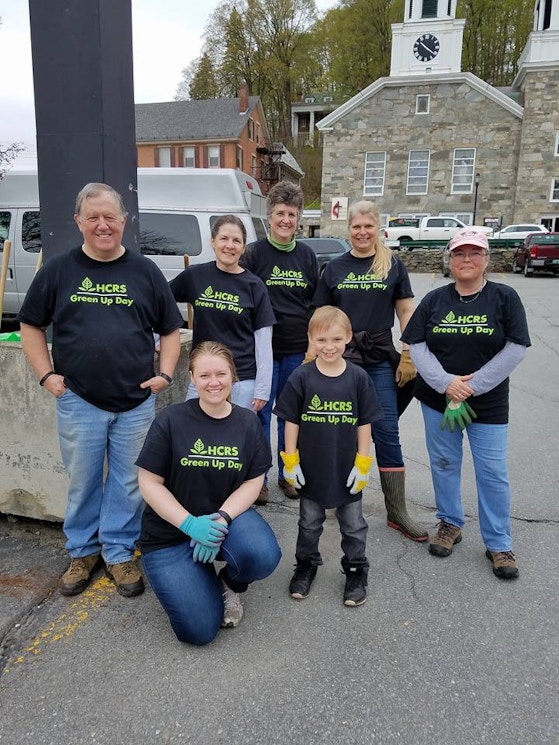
x: 46, y: 376
x: 166, y: 377
x: 226, y: 516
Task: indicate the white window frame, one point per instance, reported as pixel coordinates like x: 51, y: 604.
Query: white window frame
x: 554, y: 192
x: 375, y: 170
x: 189, y: 161
x: 239, y: 157
x: 463, y: 170
x: 214, y: 154
x: 423, y: 97
x: 556, y: 153
x: 465, y: 217
x: 166, y: 151
x: 419, y: 162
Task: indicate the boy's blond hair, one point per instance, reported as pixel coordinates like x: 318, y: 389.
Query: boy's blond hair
x: 326, y: 316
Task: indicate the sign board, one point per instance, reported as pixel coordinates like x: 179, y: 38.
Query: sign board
x: 338, y: 211
x: 492, y: 222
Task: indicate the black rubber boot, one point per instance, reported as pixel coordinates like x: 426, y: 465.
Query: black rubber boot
x: 394, y: 490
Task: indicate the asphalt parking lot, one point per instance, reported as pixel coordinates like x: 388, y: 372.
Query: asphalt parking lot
x: 441, y: 651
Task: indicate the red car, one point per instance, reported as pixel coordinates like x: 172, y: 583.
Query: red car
x: 538, y: 253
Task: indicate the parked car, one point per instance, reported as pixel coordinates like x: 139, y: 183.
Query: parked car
x: 539, y: 252
x: 519, y: 231
x: 326, y: 249
x: 439, y: 228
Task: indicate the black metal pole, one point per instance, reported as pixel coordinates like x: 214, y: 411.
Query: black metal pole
x: 476, y: 184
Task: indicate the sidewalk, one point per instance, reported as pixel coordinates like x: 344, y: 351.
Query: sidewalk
x: 442, y: 651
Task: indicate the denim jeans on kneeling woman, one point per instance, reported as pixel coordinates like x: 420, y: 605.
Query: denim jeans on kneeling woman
x: 191, y: 593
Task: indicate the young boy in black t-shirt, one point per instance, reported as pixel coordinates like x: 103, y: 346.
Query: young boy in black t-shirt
x: 328, y: 406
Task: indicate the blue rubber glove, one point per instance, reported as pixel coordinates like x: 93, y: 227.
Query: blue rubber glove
x: 461, y: 414
x: 205, y: 529
x: 203, y: 554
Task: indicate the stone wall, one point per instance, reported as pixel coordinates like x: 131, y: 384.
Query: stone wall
x: 537, y: 164
x: 460, y: 116
x: 431, y: 260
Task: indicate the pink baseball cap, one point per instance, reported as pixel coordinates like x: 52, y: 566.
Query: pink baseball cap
x: 469, y: 237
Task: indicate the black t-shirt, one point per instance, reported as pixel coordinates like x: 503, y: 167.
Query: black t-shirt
x: 203, y: 460
x: 291, y: 278
x: 328, y: 411
x: 464, y: 337
x: 369, y: 302
x: 228, y: 308
x: 104, y: 314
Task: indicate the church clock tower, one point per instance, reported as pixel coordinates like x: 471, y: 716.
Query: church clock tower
x: 429, y: 41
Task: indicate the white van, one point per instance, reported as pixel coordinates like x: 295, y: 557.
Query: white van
x: 177, y: 207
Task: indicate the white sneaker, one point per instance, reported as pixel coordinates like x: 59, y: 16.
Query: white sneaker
x: 232, y: 607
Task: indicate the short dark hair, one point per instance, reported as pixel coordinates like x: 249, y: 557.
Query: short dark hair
x: 284, y: 192
x: 229, y: 220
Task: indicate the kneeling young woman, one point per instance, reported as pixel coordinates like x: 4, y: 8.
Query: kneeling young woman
x: 201, y: 469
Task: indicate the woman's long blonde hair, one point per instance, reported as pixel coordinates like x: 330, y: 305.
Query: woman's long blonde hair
x: 382, y: 260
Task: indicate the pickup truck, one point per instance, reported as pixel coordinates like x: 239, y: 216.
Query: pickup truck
x: 427, y: 229
x: 538, y: 253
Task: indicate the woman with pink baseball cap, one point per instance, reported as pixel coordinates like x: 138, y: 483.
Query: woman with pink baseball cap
x: 465, y: 339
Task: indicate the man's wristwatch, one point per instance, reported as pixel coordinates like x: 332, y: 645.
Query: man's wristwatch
x: 166, y: 377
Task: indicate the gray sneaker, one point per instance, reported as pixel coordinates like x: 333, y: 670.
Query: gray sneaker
x: 442, y: 543
x: 232, y: 607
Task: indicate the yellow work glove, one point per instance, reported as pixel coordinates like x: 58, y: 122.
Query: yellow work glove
x: 359, y: 476
x: 292, y: 470
x: 406, y: 369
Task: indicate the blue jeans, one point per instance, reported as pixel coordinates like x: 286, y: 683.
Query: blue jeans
x: 353, y: 528
x: 488, y: 444
x: 242, y: 393
x: 386, y: 434
x: 191, y: 593
x: 283, y: 367
x: 104, y: 511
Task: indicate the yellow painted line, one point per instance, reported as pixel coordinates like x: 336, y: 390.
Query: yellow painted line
x: 62, y: 628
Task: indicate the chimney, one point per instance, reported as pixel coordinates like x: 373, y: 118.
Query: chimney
x: 243, y: 98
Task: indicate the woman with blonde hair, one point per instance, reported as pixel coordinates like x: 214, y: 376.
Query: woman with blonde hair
x: 372, y: 286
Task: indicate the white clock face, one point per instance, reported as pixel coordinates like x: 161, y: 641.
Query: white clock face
x: 426, y: 47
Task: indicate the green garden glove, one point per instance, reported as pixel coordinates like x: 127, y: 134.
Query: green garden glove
x: 292, y: 470
x: 460, y: 414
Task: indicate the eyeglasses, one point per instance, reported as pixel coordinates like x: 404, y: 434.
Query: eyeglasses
x: 473, y: 255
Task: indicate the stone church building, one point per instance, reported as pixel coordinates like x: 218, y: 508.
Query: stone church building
x: 432, y: 140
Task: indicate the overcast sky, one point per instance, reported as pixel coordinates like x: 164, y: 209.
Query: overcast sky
x: 166, y: 37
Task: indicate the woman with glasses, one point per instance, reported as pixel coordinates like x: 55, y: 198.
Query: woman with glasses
x: 465, y: 339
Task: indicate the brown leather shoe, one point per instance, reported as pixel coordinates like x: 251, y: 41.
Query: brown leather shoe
x: 289, y: 491
x: 78, y: 575
x: 504, y: 564
x: 442, y: 543
x: 263, y: 496
x: 127, y: 578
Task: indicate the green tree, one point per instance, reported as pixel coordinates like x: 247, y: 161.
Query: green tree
x: 495, y: 34
x: 357, y: 37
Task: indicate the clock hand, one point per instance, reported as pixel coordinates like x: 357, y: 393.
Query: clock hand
x: 421, y: 44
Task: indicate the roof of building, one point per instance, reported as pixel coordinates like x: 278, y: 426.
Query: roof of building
x: 494, y: 94
x: 207, y: 119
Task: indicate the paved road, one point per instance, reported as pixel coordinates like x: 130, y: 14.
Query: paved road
x: 442, y: 651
